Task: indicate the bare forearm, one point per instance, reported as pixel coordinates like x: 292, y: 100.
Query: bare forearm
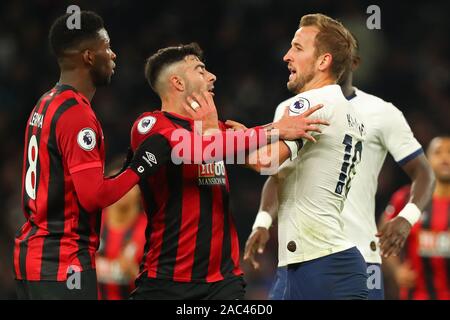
x: 423, y: 181
x: 268, y: 158
x: 269, y: 197
x: 268, y: 211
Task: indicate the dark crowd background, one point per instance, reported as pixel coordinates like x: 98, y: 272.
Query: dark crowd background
x: 405, y: 62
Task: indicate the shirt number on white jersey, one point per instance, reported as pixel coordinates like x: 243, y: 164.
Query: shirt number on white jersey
x: 348, y: 166
x: 30, y: 177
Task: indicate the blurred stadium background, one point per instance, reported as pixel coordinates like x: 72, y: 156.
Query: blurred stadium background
x: 406, y: 62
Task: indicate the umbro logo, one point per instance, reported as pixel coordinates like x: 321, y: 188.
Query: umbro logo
x: 150, y: 158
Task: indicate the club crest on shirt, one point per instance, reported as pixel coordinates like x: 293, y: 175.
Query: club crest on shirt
x: 145, y: 124
x: 86, y: 139
x: 299, y: 106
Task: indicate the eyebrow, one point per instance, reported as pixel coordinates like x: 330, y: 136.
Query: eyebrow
x: 200, y: 65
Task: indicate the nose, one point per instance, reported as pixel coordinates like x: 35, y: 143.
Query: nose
x: 287, y: 56
x: 113, y: 55
x: 212, y: 77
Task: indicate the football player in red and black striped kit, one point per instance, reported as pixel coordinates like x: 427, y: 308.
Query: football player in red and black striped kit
x: 423, y: 272
x: 192, y: 249
x: 63, y: 187
x: 122, y: 239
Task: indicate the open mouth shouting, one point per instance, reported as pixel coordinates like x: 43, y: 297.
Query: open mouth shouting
x: 211, y: 90
x: 292, y: 74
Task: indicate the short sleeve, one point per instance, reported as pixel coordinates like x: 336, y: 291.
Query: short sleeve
x: 147, y: 125
x: 280, y: 111
x: 398, y: 137
x: 78, y: 135
x: 303, y: 102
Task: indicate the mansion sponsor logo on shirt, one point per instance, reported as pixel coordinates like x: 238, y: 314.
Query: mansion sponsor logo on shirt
x: 211, y: 174
x: 434, y: 244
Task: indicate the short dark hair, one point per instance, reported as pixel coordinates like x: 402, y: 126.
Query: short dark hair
x: 62, y: 38
x: 167, y: 56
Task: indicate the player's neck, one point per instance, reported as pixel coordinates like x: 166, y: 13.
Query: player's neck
x: 81, y: 83
x: 174, y: 105
x: 347, y: 86
x: 442, y: 190
x: 317, y: 83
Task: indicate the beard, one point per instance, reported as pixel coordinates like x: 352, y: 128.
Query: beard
x: 99, y: 76
x: 299, y: 83
x: 442, y: 177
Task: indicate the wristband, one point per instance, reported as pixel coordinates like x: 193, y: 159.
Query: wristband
x: 411, y: 213
x: 263, y: 220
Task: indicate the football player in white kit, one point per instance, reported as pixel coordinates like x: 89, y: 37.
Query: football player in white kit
x: 386, y: 131
x: 322, y: 263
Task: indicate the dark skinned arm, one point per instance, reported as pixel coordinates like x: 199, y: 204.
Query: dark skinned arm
x: 257, y: 240
x: 393, y: 233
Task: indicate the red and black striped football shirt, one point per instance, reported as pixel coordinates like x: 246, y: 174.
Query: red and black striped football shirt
x: 427, y: 248
x: 115, y: 243
x: 63, y: 136
x: 190, y: 235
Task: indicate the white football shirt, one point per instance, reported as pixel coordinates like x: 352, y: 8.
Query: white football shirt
x: 386, y: 131
x: 313, y: 186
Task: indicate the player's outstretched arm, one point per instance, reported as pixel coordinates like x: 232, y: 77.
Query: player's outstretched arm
x: 238, y: 139
x: 298, y: 127
x: 268, y: 158
x: 394, y: 233
x: 96, y: 192
x: 268, y: 211
x: 201, y: 107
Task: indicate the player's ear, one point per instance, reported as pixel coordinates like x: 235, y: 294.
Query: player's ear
x: 356, y: 61
x: 324, y: 61
x: 88, y: 57
x: 177, y: 82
